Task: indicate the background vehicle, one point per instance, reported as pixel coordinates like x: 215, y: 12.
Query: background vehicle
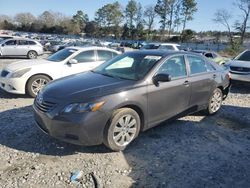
x: 128, y: 94
x: 217, y: 58
x: 30, y: 76
x: 239, y: 67
x: 21, y: 47
x: 161, y: 46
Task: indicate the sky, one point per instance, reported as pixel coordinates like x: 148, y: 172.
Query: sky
x: 202, y: 18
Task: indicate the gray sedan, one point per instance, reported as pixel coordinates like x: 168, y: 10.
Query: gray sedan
x: 131, y: 93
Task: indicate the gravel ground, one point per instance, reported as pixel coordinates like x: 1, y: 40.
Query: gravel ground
x: 194, y: 151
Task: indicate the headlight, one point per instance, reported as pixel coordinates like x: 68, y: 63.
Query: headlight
x: 83, y: 107
x: 19, y: 73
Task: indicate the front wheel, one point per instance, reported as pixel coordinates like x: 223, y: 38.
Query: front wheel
x: 36, y: 83
x: 122, y: 129
x: 215, y: 102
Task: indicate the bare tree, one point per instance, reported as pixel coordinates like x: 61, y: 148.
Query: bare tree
x: 223, y: 17
x: 25, y: 19
x: 244, y: 6
x: 149, y: 17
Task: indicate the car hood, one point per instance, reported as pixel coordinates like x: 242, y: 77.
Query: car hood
x: 80, y: 87
x: 26, y: 64
x: 236, y: 63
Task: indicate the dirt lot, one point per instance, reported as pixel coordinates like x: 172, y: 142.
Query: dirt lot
x: 194, y: 151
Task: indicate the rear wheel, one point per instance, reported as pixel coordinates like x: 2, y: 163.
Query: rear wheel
x: 122, y: 129
x: 36, y: 83
x: 32, y: 55
x: 215, y: 102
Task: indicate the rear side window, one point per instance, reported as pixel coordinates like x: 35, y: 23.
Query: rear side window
x: 10, y: 42
x: 87, y: 56
x: 104, y: 55
x: 31, y: 43
x: 209, y: 55
x: 197, y: 64
x: 23, y: 42
x: 175, y: 67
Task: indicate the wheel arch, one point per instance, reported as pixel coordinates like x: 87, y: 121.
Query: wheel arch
x: 42, y: 74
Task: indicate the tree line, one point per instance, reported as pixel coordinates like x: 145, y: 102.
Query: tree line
x: 130, y: 22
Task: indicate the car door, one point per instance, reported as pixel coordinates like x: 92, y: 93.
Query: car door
x: 169, y: 98
x: 9, y: 48
x: 22, y: 47
x: 202, y: 79
x: 86, y: 61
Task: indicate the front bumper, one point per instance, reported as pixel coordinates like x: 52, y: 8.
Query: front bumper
x: 79, y: 129
x: 13, y: 85
x: 240, y: 76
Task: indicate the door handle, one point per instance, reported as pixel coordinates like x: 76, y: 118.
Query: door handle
x: 186, y: 83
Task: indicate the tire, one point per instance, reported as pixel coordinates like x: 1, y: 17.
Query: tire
x: 125, y: 133
x: 32, y: 54
x: 215, y: 102
x: 35, y: 83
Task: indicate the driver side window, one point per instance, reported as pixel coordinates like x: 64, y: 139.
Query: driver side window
x: 175, y: 67
x: 86, y: 57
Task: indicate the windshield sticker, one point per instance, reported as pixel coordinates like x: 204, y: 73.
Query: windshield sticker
x: 152, y: 57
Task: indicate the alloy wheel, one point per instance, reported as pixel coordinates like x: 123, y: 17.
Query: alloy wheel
x: 38, y: 84
x: 216, y: 101
x: 125, y: 130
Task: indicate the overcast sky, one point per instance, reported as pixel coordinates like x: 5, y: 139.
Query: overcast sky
x: 202, y: 19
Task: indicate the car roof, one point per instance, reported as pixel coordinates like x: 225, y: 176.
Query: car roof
x: 91, y: 48
x: 158, y: 43
x: 163, y: 53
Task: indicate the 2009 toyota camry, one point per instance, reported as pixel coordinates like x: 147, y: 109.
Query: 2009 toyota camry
x: 129, y: 94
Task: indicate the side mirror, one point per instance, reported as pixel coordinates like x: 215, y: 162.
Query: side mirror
x: 161, y: 78
x: 73, y: 61
x: 3, y: 45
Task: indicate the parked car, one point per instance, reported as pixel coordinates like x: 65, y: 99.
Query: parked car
x: 29, y: 76
x: 21, y: 47
x: 217, y: 58
x: 161, y: 46
x: 129, y: 94
x: 239, y: 67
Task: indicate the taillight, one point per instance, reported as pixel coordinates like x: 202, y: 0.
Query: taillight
x: 229, y: 76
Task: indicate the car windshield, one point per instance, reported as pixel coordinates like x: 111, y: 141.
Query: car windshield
x: 132, y: 66
x: 244, y: 57
x: 61, y: 55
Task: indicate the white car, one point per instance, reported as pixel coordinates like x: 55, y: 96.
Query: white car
x: 29, y: 76
x: 161, y: 46
x: 21, y: 47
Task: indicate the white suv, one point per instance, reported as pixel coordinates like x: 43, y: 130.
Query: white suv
x: 21, y: 47
x: 29, y: 76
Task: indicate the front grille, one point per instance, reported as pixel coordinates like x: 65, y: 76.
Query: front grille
x: 45, y: 106
x: 240, y: 69
x: 4, y: 73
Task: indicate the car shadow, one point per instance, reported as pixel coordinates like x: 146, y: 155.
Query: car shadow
x: 240, y: 87
x: 14, y: 57
x: 187, y: 152
x: 6, y: 95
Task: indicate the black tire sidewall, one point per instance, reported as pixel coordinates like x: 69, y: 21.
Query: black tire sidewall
x: 31, y: 80
x: 108, y: 132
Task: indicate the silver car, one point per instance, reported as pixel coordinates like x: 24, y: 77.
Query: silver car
x: 21, y: 47
x: 239, y: 67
